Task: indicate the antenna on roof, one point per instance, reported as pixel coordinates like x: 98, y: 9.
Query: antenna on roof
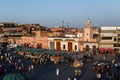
x: 67, y: 24
x: 63, y: 23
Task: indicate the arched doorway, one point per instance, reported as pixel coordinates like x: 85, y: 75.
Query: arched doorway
x: 87, y: 49
x: 58, y: 46
x: 26, y: 44
x: 69, y: 46
x: 64, y: 47
x: 39, y: 45
x: 75, y: 48
x: 94, y: 49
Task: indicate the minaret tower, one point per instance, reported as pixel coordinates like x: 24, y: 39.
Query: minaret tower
x: 87, y: 31
x: 88, y: 23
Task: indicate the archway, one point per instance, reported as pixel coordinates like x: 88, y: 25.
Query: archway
x: 39, y: 45
x: 94, y: 49
x: 64, y: 47
x: 58, y: 46
x: 87, y: 49
x: 69, y: 46
x: 75, y: 48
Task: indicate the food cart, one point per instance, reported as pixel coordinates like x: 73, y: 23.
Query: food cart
x: 77, y: 63
x: 56, y: 59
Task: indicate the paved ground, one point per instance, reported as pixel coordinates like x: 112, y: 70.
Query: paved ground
x: 48, y: 71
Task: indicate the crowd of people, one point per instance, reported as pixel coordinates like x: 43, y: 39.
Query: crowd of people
x: 11, y: 62
x: 105, y: 71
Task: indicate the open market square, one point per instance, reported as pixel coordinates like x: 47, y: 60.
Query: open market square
x: 68, y: 66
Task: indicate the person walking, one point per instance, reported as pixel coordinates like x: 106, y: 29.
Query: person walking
x: 69, y: 78
x: 74, y: 79
x: 57, y: 71
x: 29, y: 68
x: 113, y: 61
x: 104, y: 57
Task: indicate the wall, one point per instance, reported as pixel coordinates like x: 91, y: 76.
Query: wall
x: 34, y: 40
x: 90, y: 45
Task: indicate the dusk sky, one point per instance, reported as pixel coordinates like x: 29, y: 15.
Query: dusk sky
x: 52, y: 12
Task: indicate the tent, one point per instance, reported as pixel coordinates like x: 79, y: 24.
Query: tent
x: 110, y: 50
x: 102, y: 49
x: 15, y: 76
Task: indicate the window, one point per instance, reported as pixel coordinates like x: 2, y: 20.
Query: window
x: 106, y: 38
x: 33, y: 28
x: 114, y: 39
x: 95, y: 36
x: 118, y: 35
x: 37, y: 29
x: 64, y: 46
x: 118, y: 39
x: 52, y: 45
x: 116, y: 45
x: 75, y: 47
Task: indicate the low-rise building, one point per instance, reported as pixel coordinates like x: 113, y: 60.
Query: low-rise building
x: 63, y: 44
x: 84, y: 40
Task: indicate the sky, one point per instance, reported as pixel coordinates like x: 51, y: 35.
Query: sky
x: 51, y: 13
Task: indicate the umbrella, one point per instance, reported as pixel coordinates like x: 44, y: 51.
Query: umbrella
x: 102, y: 49
x: 15, y: 76
x: 110, y: 49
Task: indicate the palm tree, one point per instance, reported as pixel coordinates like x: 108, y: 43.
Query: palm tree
x: 15, y: 76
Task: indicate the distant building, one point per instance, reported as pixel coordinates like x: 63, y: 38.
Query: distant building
x: 79, y: 40
x: 34, y: 42
x: 58, y: 29
x: 70, y: 35
x: 88, y: 37
x: 110, y: 37
x: 63, y: 44
x: 12, y: 30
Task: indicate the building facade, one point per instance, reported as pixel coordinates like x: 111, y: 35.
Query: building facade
x: 62, y: 39
x: 63, y: 44
x: 90, y: 37
x: 110, y: 37
x: 84, y: 40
